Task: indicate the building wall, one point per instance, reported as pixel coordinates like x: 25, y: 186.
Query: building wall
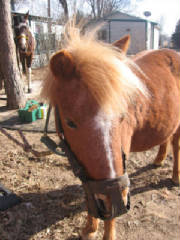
x: 137, y: 31
x: 144, y: 34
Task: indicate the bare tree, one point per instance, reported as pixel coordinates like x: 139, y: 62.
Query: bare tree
x: 49, y: 15
x: 101, y: 8
x: 8, y: 63
x: 176, y: 36
x: 65, y: 8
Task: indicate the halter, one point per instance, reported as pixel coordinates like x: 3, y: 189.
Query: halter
x: 22, y: 36
x: 110, y: 189
x: 27, y: 53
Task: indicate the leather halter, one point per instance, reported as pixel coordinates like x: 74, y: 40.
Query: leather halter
x: 22, y: 36
x: 110, y: 189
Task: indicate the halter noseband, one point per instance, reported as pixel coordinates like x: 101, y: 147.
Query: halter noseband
x: 110, y: 189
x: 22, y: 36
x: 26, y: 52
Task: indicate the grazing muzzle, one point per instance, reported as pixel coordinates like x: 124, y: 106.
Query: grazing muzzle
x: 104, y: 197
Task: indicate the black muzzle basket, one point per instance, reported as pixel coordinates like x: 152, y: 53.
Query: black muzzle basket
x: 110, y: 189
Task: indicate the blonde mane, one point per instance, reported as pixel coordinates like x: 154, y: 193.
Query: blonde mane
x: 103, y: 69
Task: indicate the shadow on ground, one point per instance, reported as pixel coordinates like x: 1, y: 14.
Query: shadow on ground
x: 39, y: 211
x: 42, y: 210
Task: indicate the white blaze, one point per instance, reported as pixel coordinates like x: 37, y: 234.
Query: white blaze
x: 104, y: 124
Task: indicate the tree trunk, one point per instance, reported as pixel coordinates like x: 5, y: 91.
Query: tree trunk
x: 49, y: 16
x: 1, y: 79
x: 14, y: 90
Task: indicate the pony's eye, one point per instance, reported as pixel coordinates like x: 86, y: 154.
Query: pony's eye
x: 70, y: 123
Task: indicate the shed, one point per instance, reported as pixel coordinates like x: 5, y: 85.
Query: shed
x: 144, y: 33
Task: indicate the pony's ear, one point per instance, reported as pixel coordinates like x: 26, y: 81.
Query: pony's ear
x: 123, y: 43
x: 26, y: 16
x: 62, y: 64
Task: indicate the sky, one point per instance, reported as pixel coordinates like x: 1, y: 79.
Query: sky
x: 166, y: 12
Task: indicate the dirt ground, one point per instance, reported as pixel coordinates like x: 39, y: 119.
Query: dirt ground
x: 53, y: 206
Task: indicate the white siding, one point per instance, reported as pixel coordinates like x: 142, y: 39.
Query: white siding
x: 156, y: 38
x: 148, y: 40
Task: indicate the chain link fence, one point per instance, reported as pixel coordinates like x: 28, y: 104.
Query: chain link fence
x: 46, y: 45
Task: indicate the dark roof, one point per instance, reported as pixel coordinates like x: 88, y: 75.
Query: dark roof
x: 123, y: 13
x: 109, y: 17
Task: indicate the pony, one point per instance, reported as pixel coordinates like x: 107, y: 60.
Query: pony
x: 111, y: 105
x: 25, y: 46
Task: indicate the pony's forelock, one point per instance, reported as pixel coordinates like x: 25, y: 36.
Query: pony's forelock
x: 102, y: 68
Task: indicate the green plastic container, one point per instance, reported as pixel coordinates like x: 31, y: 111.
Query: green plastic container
x: 29, y: 116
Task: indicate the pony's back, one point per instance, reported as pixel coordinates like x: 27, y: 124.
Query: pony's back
x: 160, y: 116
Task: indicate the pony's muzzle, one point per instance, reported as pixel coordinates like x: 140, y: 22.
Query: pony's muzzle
x: 105, y: 205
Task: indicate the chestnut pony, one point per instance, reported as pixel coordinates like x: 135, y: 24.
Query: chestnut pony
x: 110, y: 105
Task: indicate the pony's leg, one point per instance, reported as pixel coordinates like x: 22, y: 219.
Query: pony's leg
x: 89, y: 232
x: 20, y: 69
x: 28, y: 64
x: 109, y: 230
x: 29, y: 79
x: 163, y: 150
x: 176, y: 153
x: 23, y: 78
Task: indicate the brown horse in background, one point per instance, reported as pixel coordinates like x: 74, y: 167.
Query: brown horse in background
x: 25, y: 46
x: 110, y: 105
